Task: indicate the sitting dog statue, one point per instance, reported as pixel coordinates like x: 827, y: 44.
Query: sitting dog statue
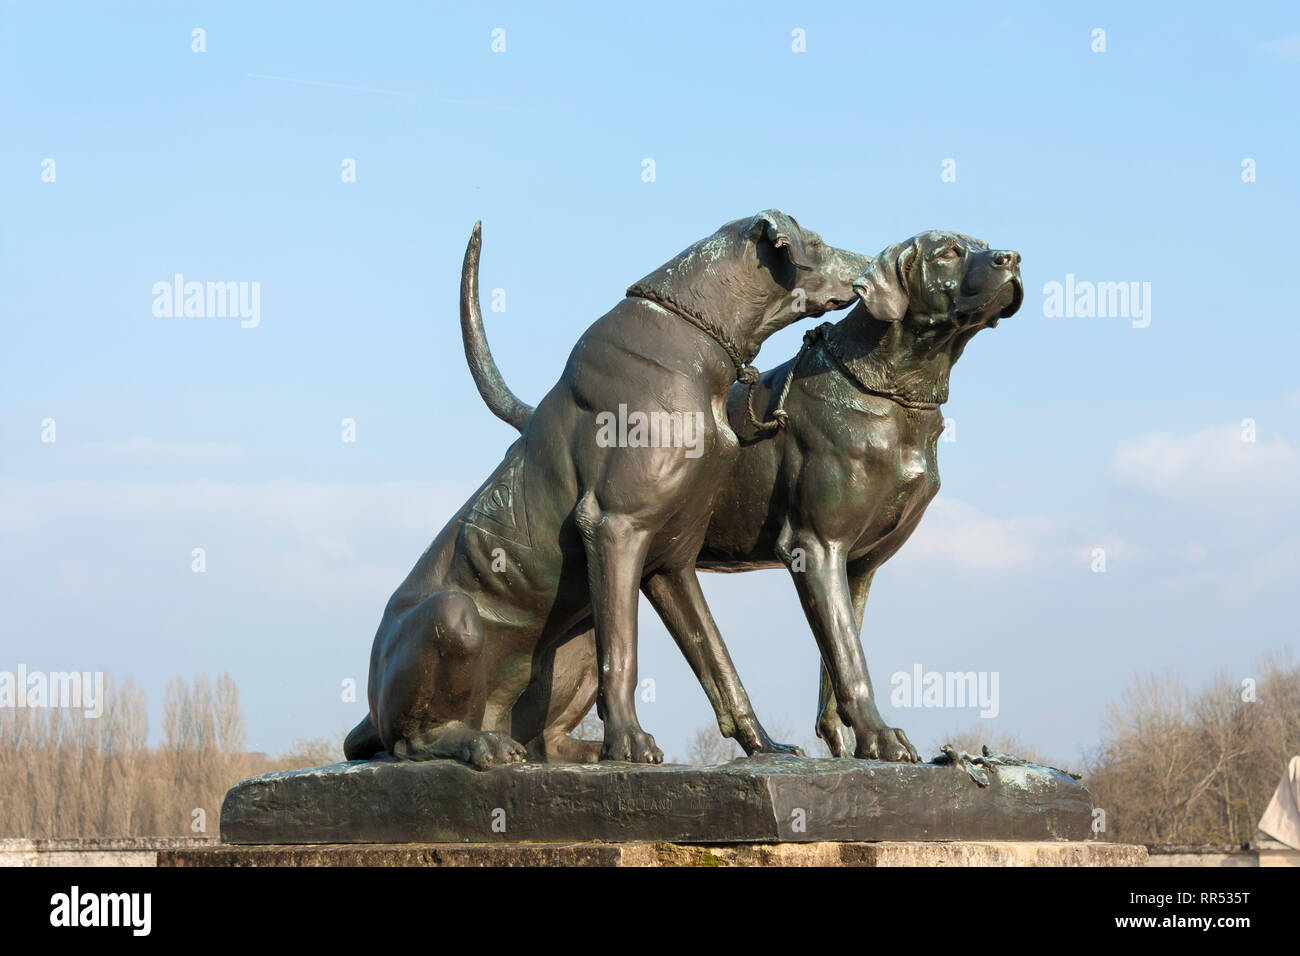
x: 841, y: 486
x: 579, y: 516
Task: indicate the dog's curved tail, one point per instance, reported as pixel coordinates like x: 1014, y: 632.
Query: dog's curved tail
x: 502, y: 402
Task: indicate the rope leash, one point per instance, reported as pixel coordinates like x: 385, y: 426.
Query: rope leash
x: 821, y: 336
x: 833, y: 351
x: 779, y: 418
x: 746, y: 373
x: 749, y: 376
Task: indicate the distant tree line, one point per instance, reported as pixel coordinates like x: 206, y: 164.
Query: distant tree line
x: 63, y: 774
x: 1174, y: 766
x: 1177, y: 766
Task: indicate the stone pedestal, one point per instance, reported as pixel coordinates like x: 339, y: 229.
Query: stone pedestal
x: 763, y: 800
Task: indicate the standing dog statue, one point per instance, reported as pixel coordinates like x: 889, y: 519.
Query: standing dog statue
x: 579, y: 515
x: 840, y: 488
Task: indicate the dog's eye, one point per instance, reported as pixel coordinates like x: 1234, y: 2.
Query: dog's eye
x: 952, y: 252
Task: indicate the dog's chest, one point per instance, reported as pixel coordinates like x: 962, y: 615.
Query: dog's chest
x: 898, y: 475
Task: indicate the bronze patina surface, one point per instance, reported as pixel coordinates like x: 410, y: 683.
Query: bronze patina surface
x: 522, y: 613
x: 749, y: 800
x: 838, y: 488
x: 560, y: 538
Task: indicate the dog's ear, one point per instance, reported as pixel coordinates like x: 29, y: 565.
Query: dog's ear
x: 774, y: 226
x: 885, y: 287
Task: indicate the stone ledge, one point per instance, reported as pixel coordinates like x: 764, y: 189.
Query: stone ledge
x: 768, y: 800
x: 107, y: 851
x: 835, y: 854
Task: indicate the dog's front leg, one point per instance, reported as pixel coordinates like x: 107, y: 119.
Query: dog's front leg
x: 616, y: 549
x: 890, y: 742
x: 830, y: 726
x: 676, y: 595
x: 821, y: 576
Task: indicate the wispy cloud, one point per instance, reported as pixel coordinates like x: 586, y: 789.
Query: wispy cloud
x: 959, y: 536
x: 1213, y: 469
x: 319, y: 542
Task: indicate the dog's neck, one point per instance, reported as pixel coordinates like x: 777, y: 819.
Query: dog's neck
x: 899, y: 358
x: 738, y: 351
x: 737, y: 313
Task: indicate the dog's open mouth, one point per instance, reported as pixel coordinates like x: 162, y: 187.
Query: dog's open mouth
x: 1017, y: 297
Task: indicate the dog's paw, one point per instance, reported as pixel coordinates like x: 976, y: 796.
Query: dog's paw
x: 758, y: 742
x: 634, y: 746
x: 835, y: 733
x: 490, y: 749
x: 886, y: 743
x: 780, y: 749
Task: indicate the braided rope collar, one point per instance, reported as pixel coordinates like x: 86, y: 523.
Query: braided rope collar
x: 821, y: 335
x: 745, y: 372
x: 748, y: 375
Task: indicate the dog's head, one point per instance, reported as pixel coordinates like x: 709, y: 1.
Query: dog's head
x: 757, y: 275
x: 817, y: 276
x: 942, y: 279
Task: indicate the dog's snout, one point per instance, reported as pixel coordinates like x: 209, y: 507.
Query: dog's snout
x: 1006, y: 259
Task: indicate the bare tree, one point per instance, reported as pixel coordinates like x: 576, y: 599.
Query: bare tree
x: 1177, y: 767
x: 66, y: 774
x: 230, y: 736
x: 590, y: 727
x: 316, y: 752
x: 709, y: 747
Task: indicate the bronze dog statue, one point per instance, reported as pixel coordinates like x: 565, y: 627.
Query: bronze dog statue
x: 576, y: 518
x: 836, y: 491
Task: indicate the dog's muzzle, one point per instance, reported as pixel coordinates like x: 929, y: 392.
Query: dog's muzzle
x: 1016, y: 298
x: 993, y: 282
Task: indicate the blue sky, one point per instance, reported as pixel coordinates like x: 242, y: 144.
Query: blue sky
x: 1072, y: 433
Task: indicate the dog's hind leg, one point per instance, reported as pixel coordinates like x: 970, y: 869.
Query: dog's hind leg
x: 676, y: 595
x: 429, y: 698
x: 616, y: 546
x: 830, y: 728
x: 560, y: 692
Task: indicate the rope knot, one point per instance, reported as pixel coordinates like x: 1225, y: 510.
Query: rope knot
x: 779, y: 420
x: 811, y: 337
